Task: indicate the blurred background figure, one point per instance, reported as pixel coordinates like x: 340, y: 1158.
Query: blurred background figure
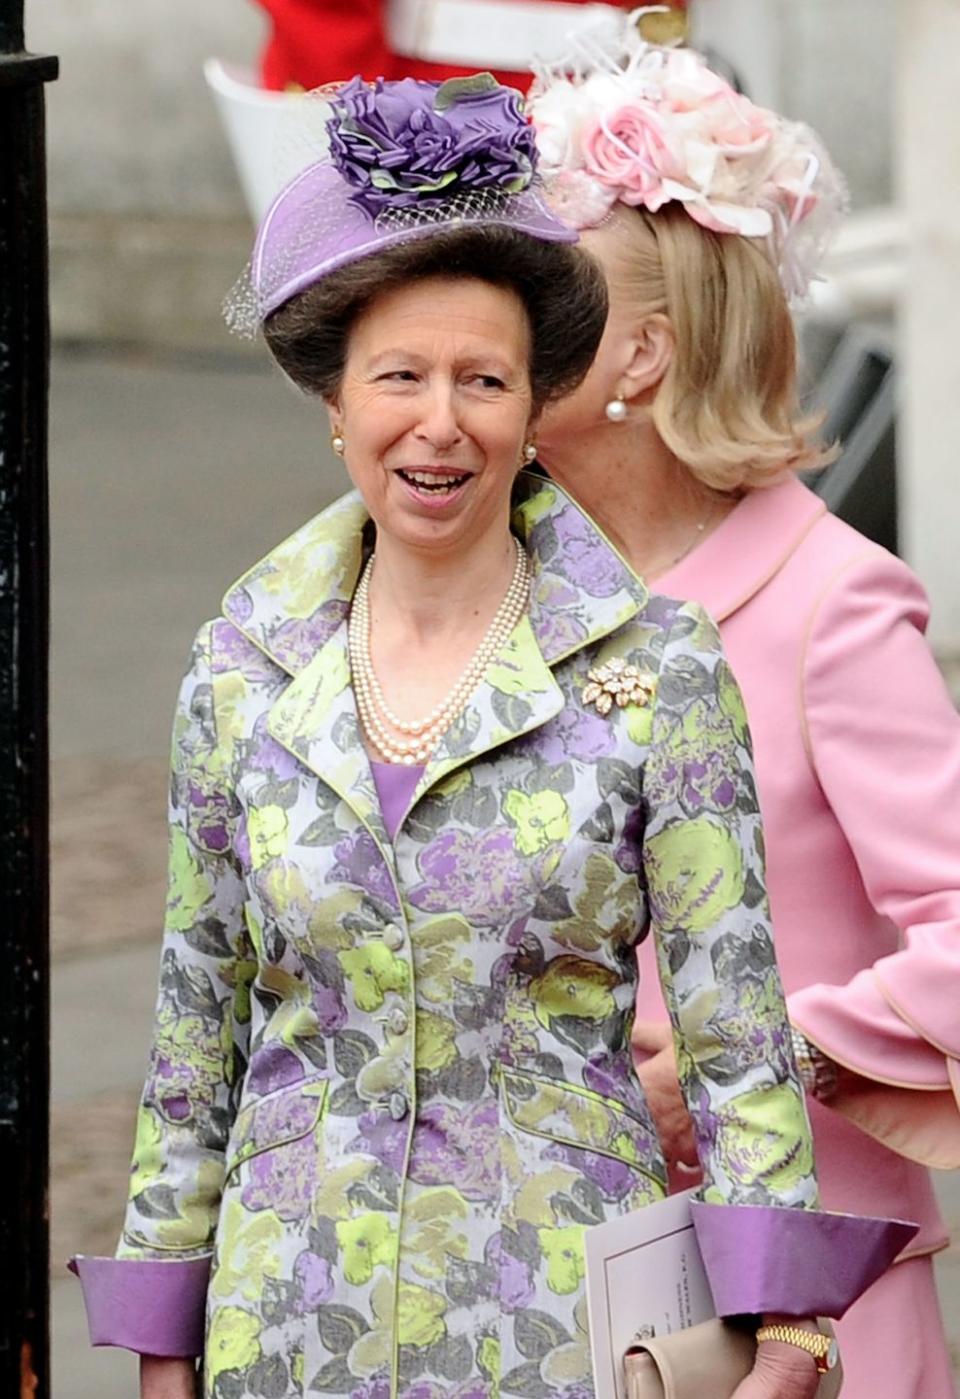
x: 312, y: 42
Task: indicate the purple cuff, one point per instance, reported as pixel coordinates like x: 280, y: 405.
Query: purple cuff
x: 153, y: 1308
x: 760, y: 1258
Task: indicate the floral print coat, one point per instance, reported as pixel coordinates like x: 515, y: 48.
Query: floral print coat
x: 391, y: 1083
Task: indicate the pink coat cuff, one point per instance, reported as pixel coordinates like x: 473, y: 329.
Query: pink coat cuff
x: 920, y: 981
x: 901, y: 1090
x: 856, y: 1026
x: 152, y: 1308
x: 760, y: 1258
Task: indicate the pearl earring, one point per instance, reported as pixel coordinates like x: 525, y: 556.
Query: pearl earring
x: 337, y: 444
x: 530, y: 452
x: 616, y: 409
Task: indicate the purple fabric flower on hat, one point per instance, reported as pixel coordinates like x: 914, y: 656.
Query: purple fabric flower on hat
x: 418, y: 143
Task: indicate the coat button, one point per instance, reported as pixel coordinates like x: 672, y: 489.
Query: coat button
x: 398, y: 1107
x: 397, y: 1021
x: 393, y: 937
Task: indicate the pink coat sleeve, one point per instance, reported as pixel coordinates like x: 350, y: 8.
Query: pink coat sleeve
x: 884, y: 739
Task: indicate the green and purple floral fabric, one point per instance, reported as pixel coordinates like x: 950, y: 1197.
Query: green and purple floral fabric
x: 391, y: 1083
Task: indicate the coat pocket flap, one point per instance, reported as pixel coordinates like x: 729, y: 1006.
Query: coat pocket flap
x: 283, y: 1117
x: 577, y: 1117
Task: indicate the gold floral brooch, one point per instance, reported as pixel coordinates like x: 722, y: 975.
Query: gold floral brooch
x: 617, y: 683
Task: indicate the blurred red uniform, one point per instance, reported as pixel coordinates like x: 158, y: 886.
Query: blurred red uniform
x: 320, y: 41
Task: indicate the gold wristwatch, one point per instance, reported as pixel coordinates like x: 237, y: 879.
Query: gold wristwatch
x: 823, y: 1348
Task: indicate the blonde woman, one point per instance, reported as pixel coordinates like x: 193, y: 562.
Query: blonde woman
x: 683, y: 442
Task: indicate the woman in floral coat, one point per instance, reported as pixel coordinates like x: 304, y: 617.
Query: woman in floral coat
x: 391, y: 1082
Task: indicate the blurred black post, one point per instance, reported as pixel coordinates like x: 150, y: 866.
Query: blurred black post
x: 24, y: 950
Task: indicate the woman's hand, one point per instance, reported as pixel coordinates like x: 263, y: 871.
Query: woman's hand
x: 658, y: 1076
x: 165, y: 1377
x: 780, y: 1371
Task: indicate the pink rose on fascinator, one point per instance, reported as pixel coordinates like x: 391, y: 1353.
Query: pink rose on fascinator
x: 630, y: 150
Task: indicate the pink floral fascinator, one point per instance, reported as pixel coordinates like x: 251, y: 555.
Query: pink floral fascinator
x: 405, y: 159
x: 649, y: 125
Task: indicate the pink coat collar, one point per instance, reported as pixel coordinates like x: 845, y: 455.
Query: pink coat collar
x: 746, y: 550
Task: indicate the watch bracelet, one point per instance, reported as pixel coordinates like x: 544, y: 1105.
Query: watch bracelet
x: 818, y: 1073
x: 815, y: 1343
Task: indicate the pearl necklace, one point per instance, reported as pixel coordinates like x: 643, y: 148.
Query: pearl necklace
x: 380, y: 722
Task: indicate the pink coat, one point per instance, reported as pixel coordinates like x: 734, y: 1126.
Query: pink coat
x: 858, y: 758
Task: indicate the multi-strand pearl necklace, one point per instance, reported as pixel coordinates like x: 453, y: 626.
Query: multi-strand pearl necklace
x: 412, y: 741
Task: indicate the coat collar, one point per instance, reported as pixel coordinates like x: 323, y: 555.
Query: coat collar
x: 294, y: 604
x: 743, y: 553
x: 293, y: 601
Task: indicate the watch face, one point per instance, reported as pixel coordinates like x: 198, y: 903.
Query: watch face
x: 832, y: 1355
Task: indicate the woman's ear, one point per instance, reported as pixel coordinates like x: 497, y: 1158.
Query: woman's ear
x: 652, y: 348
x: 334, y: 413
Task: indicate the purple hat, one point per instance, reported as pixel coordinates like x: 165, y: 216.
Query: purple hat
x: 407, y: 159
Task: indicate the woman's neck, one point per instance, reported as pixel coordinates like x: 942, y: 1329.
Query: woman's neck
x: 642, y: 497
x: 426, y: 597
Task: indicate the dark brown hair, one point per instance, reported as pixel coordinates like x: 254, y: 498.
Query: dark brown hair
x: 561, y: 287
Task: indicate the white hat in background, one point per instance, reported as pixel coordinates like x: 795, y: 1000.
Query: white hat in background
x: 272, y: 135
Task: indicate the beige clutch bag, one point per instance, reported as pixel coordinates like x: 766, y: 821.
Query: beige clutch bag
x: 707, y: 1361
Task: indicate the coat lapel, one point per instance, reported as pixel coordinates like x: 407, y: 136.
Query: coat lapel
x: 581, y: 590
x: 294, y: 606
x: 751, y: 545
x: 316, y: 720
x: 293, y: 601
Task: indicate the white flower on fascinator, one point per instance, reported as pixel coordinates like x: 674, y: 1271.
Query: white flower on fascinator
x: 649, y: 126
x: 563, y: 109
x: 580, y: 200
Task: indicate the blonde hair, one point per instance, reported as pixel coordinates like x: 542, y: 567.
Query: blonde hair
x: 727, y: 406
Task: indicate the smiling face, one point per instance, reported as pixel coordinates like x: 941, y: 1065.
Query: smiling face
x: 434, y: 407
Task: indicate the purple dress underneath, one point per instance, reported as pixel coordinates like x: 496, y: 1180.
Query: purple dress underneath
x: 396, y: 784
